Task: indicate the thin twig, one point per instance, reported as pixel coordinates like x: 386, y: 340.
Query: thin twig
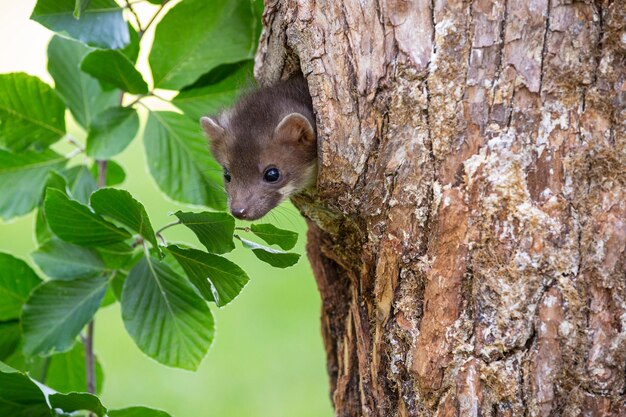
x: 145, y: 29
x: 245, y: 229
x: 135, y: 101
x: 130, y: 7
x: 167, y: 226
x: 73, y: 153
x: 89, y: 360
x: 159, y: 97
x: 102, y: 173
x: 71, y: 139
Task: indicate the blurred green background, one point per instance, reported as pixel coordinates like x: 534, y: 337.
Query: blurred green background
x: 267, y: 358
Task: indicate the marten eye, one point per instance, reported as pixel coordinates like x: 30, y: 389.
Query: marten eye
x: 226, y: 175
x: 271, y: 175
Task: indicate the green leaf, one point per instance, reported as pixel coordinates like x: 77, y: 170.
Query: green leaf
x: 66, y: 371
x: 79, y: 7
x: 10, y: 337
x: 17, y: 281
x: 31, y: 113
x: 62, y: 260
x: 179, y: 160
x: 118, y: 255
x: 77, y: 401
x: 211, y: 98
x: 42, y: 231
x: 272, y: 235
x: 101, y: 23
x: 115, y: 68
x: 213, y: 230
x: 23, y: 176
x: 196, y: 36
x: 57, y: 311
x: 138, y: 411
x: 75, y: 223
x: 120, y: 206
x: 115, y: 173
x: 165, y: 317
x: 274, y: 257
x: 80, y: 183
x: 111, y: 132
x: 217, y: 278
x: 20, y: 396
x: 81, y: 92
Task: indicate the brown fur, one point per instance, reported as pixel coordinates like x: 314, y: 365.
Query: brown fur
x: 270, y: 127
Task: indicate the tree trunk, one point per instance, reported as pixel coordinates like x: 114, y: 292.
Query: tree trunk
x: 468, y: 234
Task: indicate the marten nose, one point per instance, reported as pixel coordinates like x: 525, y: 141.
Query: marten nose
x: 240, y: 212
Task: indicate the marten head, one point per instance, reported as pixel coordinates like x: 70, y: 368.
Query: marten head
x: 266, y: 146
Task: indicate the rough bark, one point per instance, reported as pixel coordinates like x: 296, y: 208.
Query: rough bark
x: 468, y: 234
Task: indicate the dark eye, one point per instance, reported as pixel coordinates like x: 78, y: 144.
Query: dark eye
x: 226, y: 175
x: 271, y: 175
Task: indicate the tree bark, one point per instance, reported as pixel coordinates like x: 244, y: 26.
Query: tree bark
x: 468, y: 234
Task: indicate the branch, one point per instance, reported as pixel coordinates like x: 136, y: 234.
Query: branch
x: 152, y: 19
x: 167, y: 226
x: 130, y: 7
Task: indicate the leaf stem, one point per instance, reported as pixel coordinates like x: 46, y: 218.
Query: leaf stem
x: 135, y: 101
x: 102, y: 173
x: 71, y: 139
x: 130, y: 7
x: 141, y: 33
x: 245, y: 229
x: 167, y: 226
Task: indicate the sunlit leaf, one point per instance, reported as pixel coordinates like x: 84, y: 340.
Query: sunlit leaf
x: 115, y: 68
x: 82, y: 93
x: 196, y: 36
x: 274, y: 257
x: 272, y: 235
x: 165, y: 317
x: 77, y: 401
x: 138, y: 411
x: 213, y: 230
x: 120, y: 206
x: 31, y: 113
x: 217, y: 278
x: 75, y: 223
x: 179, y: 160
x: 214, y: 96
x: 101, y: 23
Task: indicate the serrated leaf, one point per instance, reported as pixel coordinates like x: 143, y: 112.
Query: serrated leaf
x: 115, y: 173
x: 272, y: 235
x: 80, y: 183
x: 274, y: 257
x: 215, y: 277
x: 196, y: 36
x: 165, y: 317
x: 23, y: 176
x: 17, y: 280
x: 57, y: 311
x: 179, y: 160
x: 101, y: 23
x: 214, y: 96
x: 213, y: 230
x: 120, y: 206
x: 111, y: 132
x: 115, y: 68
x: 32, y: 115
x: 20, y: 396
x: 10, y: 336
x: 81, y: 92
x: 66, y: 371
x: 42, y: 231
x: 75, y: 223
x: 138, y: 411
x: 77, y: 401
x: 62, y: 260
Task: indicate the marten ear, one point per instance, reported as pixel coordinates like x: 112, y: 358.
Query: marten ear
x: 212, y: 128
x: 295, y: 127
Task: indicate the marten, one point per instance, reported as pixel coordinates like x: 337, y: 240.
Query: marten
x: 267, y: 146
